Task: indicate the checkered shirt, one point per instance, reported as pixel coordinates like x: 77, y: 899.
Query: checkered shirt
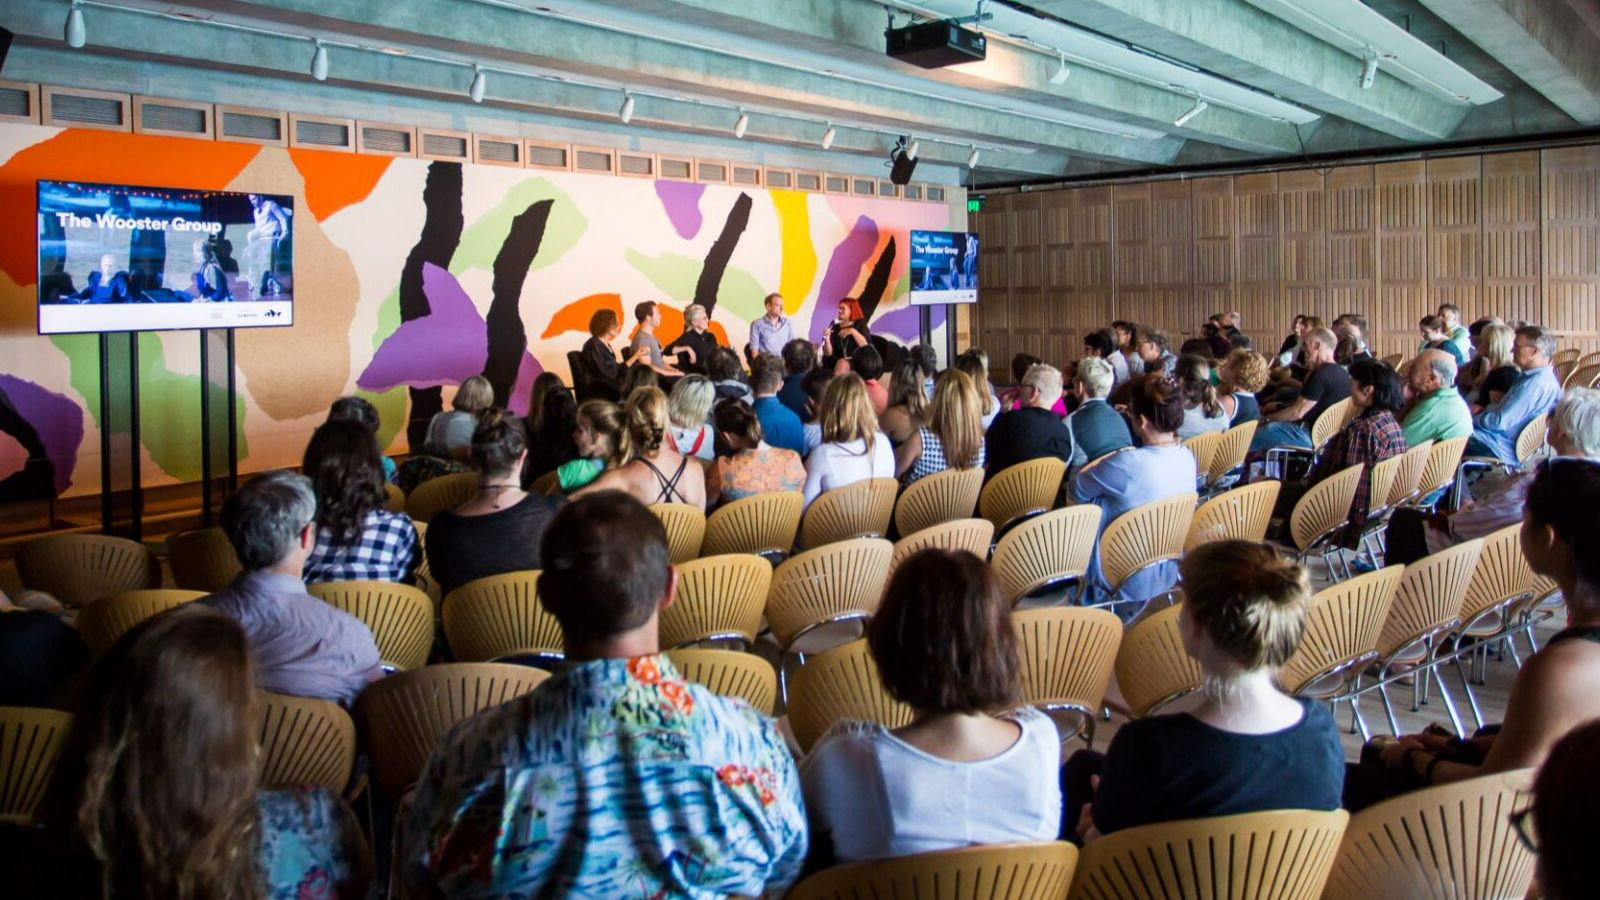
x: 386, y: 550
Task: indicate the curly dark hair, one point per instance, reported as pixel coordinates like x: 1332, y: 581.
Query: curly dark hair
x: 346, y: 472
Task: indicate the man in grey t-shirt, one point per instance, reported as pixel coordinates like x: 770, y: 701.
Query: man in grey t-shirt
x: 649, y: 320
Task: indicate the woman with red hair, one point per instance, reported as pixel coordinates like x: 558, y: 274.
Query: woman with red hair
x: 846, y: 334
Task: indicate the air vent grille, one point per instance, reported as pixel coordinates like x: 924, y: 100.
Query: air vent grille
x: 548, y: 157
x: 591, y: 161
x: 746, y: 175
x: 16, y: 102
x: 181, y: 119
x: 864, y: 187
x: 808, y: 181
x: 89, y: 110
x: 321, y: 134
x: 676, y: 168
x: 935, y: 194
x: 633, y: 164
x: 710, y: 171
x: 450, y: 146
x: 252, y: 127
x: 777, y: 178
x: 499, y: 151
x: 836, y: 184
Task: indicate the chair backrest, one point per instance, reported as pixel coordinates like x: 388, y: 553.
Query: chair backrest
x: 1067, y: 654
x: 396, y: 498
x: 78, y: 569
x: 719, y: 597
x: 686, y: 529
x: 857, y: 510
x: 441, y: 493
x: 1454, y: 840
x: 1046, y: 550
x: 1583, y: 376
x: 1342, y: 627
x: 971, y: 535
x: 1428, y: 599
x: 836, y: 685
x: 938, y: 498
x: 580, y: 375
x: 1531, y: 437
x: 1144, y: 535
x: 1394, y: 360
x: 1409, y: 478
x: 400, y: 616
x: 1325, y: 508
x: 500, y: 617
x: 1152, y: 667
x: 30, y: 742
x: 731, y: 673
x: 1283, y: 854
x: 1025, y: 489
x: 1566, y: 354
x: 1242, y: 513
x: 993, y: 872
x: 1440, y: 470
x: 1501, y: 574
x: 305, y: 741
x: 202, y: 560
x: 764, y: 523
x: 548, y: 484
x: 1231, y: 450
x: 1381, y: 482
x: 103, y: 621
x: 838, y: 580
x: 404, y: 716
x: 1563, y: 369
x: 424, y: 574
x: 1204, y: 448
x: 1328, y: 424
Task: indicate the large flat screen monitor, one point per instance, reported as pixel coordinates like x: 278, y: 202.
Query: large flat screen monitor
x: 125, y: 258
x: 944, y: 267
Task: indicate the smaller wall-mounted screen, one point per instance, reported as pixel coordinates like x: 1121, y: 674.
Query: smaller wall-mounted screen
x: 124, y: 258
x: 944, y: 267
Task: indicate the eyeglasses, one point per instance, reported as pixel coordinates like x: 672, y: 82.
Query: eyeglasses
x: 1524, y: 829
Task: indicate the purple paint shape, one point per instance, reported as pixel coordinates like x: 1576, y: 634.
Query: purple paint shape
x: 902, y: 323
x: 844, y: 267
x: 527, y: 371
x: 57, y: 419
x: 446, y: 346
x: 681, y: 200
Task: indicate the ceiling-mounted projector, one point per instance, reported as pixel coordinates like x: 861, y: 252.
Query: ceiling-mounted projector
x: 935, y: 44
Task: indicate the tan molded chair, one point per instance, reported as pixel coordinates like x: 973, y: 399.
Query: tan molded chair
x: 1440, y: 470
x: 439, y: 494
x: 1231, y: 451
x: 500, y: 617
x: 1067, y: 656
x: 1046, y: 551
x: 202, y: 560
x: 1144, y: 537
x: 404, y: 716
x: 837, y: 685
x: 938, y: 498
x: 719, y: 598
x: 103, y: 621
x: 1152, y: 667
x: 1328, y: 424
x: 1566, y: 355
x: 859, y: 510
x: 1563, y: 369
x: 1242, y: 513
x: 971, y: 535
x: 1282, y: 855
x: 1341, y: 636
x: 78, y: 569
x: 1394, y: 360
x: 1321, y: 514
x: 686, y: 529
x: 1582, y: 376
x: 994, y: 872
x: 1204, y: 448
x: 395, y: 499
x: 1427, y: 605
x: 1454, y: 840
x: 1025, y: 489
x: 1501, y: 582
x: 1408, y: 480
x: 764, y: 524
x: 30, y: 742
x: 399, y: 615
x: 837, y: 582
x: 730, y: 673
x: 424, y: 574
x: 305, y: 741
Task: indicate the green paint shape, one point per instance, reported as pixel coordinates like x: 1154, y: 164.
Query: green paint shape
x: 388, y: 318
x: 676, y: 275
x: 480, y: 242
x: 391, y: 406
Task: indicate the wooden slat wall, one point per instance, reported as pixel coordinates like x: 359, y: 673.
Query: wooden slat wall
x: 1513, y: 234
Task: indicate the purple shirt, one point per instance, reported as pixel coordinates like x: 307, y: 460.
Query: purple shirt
x: 302, y: 645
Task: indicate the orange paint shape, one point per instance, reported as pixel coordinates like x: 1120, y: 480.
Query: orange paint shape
x: 337, y: 180
x: 100, y: 157
x: 575, y: 315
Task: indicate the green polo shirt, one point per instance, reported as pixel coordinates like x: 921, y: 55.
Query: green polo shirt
x: 1440, y: 416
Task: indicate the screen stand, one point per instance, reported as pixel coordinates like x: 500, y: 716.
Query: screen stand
x: 925, y: 326
x: 219, y: 426
x: 121, y: 492
x: 950, y: 334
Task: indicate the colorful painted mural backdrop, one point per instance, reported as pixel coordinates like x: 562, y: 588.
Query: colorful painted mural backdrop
x: 412, y: 276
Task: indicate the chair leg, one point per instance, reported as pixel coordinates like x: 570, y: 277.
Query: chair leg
x: 1444, y: 694
x: 1088, y: 730
x: 1361, y: 722
x: 1472, y: 699
x: 1511, y: 648
x: 1388, y: 708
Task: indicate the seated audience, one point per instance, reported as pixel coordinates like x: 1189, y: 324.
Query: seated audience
x: 972, y: 767
x: 603, y: 372
x: 908, y: 405
x: 1033, y: 430
x: 1457, y: 333
x: 723, y: 370
x: 646, y: 346
x: 976, y: 365
x: 636, y: 378
x: 1352, y: 344
x: 754, y: 467
x: 1534, y: 393
x: 1497, y: 373
x: 953, y: 437
x: 655, y: 472
x: 617, y: 776
x: 1020, y: 364
x: 1121, y: 481
x: 799, y: 357
x: 1326, y: 383
x: 780, y: 425
x: 359, y: 409
x: 552, y: 416
x: 302, y: 646
x: 1202, y: 409
x: 689, y: 411
x: 1239, y: 377
x: 1216, y: 340
x: 1151, y: 346
x: 156, y: 791
x: 1290, y: 348
x: 928, y: 362
x: 1243, y: 745
x: 450, y: 432
x: 1193, y: 347
x: 1102, y: 344
x: 497, y: 531
x: 698, y: 343
x: 1126, y: 334
x: 1240, y: 341
x: 1096, y: 428
x: 1473, y: 372
x: 597, y: 435
x: 815, y: 384
x: 1556, y: 826
x: 1437, y: 412
x: 1436, y: 337
x: 852, y: 448
x: 38, y: 654
x: 358, y: 537
x: 1554, y: 690
x: 868, y: 363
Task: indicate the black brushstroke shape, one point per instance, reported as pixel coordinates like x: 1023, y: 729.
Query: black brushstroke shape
x: 877, y: 282
x: 507, y: 336
x: 705, y: 290
x: 441, y: 233
x: 37, y: 480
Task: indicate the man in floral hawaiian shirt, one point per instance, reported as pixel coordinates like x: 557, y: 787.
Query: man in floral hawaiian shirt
x: 614, y: 778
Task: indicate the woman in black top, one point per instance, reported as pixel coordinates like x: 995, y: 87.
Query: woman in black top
x: 605, y: 373
x: 1498, y: 373
x: 846, y: 334
x: 551, y: 421
x: 1245, y: 746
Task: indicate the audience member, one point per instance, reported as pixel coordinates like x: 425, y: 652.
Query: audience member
x: 359, y: 409
x: 697, y: 343
x: 1244, y: 746
x: 976, y: 364
x: 358, y: 537
x: 1326, y: 384
x: 1534, y: 393
x: 450, y: 431
x: 815, y: 385
x: 1126, y: 334
x: 972, y: 767
x: 1202, y: 410
x: 604, y: 373
x: 1020, y: 364
x: 1151, y: 345
x: 799, y: 357
x: 846, y: 334
x: 779, y: 424
x: 1215, y: 339
x: 1290, y: 347
x: 689, y: 412
x: 651, y: 457
x: 1435, y: 336
x: 38, y: 654
x: 953, y: 437
x: 552, y: 416
x: 868, y: 363
x: 722, y: 367
x: 1033, y: 430
x: 754, y: 466
x: 1240, y: 341
x: 598, y: 436
x: 615, y: 776
x: 928, y: 362
x: 646, y: 343
x: 1496, y: 372
x: 638, y: 377
x: 1102, y: 344
x: 1096, y: 428
x: 1457, y: 334
x: 852, y: 447
x: 1565, y: 793
x: 1352, y: 343
x: 1193, y: 347
x: 1437, y: 411
x: 908, y: 405
x: 1239, y: 377
x: 302, y: 646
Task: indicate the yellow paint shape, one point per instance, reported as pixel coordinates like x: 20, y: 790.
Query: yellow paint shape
x: 799, y: 268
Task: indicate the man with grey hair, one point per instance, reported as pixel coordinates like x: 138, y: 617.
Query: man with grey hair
x: 1031, y: 431
x: 1326, y: 383
x: 1096, y: 428
x: 1574, y: 431
x: 1535, y: 392
x: 1437, y: 411
x: 302, y: 645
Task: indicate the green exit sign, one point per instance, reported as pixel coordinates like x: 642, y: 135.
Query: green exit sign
x: 974, y: 204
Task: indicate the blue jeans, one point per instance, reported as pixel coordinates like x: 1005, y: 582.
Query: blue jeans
x: 1279, y: 434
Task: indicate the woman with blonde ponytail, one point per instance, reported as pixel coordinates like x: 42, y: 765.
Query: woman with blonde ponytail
x: 655, y: 472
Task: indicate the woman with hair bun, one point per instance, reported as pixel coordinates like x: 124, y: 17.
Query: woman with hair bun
x: 655, y: 472
x: 1243, y: 745
x: 1202, y: 409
